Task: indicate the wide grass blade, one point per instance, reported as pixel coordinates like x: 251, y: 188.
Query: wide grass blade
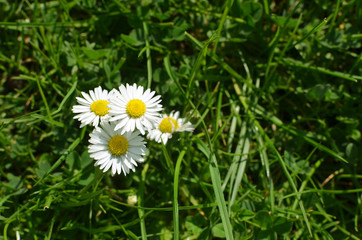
x: 175, y: 207
x: 242, y: 148
x: 216, y: 183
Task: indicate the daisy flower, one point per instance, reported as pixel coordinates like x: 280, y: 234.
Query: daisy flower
x: 167, y: 126
x: 114, y: 150
x: 134, y: 109
x: 93, y: 107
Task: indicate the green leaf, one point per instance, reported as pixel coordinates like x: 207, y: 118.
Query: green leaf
x: 15, y: 182
x: 218, y: 231
x: 280, y: 20
x: 137, y: 36
x: 245, y: 214
x: 95, y: 54
x: 282, y: 225
x: 43, y: 165
x: 179, y: 28
x: 253, y: 10
x: 128, y: 39
x: 85, y: 159
x: 194, y: 224
x: 73, y: 160
x: 317, y: 92
x: 265, y: 234
x: 264, y: 220
x: 352, y: 153
x: 86, y: 179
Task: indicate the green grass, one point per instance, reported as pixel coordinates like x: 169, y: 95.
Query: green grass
x: 272, y: 87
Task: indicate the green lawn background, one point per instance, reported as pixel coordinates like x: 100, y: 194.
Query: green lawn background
x: 273, y: 89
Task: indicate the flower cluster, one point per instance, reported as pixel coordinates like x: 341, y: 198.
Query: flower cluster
x: 120, y: 118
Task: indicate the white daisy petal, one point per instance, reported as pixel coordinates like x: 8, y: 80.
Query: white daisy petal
x: 121, y: 124
x: 108, y: 165
x: 99, y: 92
x: 148, y: 95
x: 83, y: 115
x: 114, y: 92
x: 93, y: 96
x: 119, y: 166
x: 97, y: 148
x: 127, y: 163
x: 96, y: 121
x: 87, y: 97
x: 139, y: 91
x: 139, y: 127
x: 114, y: 167
x: 130, y: 126
x: 79, y: 109
x: 164, y: 138
x: 121, y: 116
x: 89, y: 119
x: 123, y: 91
x: 134, y: 150
x: 83, y: 101
x: 154, y: 100
x: 134, y: 162
x: 125, y: 169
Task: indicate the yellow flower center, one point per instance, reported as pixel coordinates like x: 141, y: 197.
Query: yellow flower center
x: 168, y: 125
x: 136, y: 108
x: 99, y: 107
x: 118, y: 145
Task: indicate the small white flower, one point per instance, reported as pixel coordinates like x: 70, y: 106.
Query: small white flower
x: 167, y: 126
x: 116, y: 150
x: 93, y: 107
x: 134, y: 109
x: 132, y: 200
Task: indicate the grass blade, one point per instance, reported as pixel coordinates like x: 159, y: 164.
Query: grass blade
x: 148, y: 55
x: 243, y: 147
x: 228, y: 5
x: 295, y: 63
x: 140, y: 195
x: 216, y: 183
x: 175, y: 208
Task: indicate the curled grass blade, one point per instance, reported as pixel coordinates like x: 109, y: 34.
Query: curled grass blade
x: 315, y: 29
x: 59, y: 161
x: 295, y: 63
